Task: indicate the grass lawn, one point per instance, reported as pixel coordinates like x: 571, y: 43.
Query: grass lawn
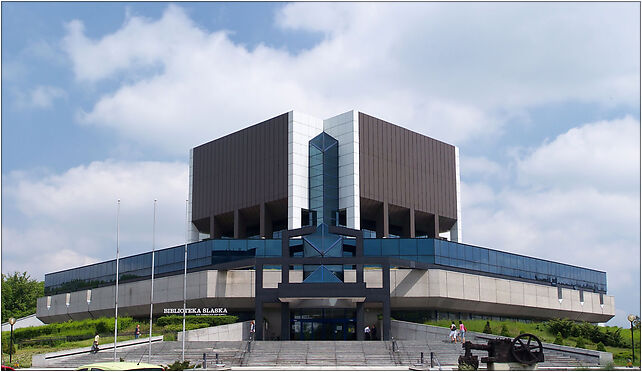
x: 620, y: 355
x: 85, y: 329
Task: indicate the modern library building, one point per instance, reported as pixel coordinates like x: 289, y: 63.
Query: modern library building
x: 319, y: 227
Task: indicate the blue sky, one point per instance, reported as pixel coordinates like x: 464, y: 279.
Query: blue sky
x: 104, y: 100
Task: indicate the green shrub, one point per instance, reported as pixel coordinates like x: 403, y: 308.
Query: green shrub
x: 563, y: 326
x: 504, y: 332
x: 600, y: 347
x: 180, y: 366
x: 487, y: 328
x: 6, y: 345
x: 580, y: 343
x: 559, y: 340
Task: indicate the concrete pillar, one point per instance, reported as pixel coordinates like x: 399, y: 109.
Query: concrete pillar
x: 383, y: 223
x: 265, y: 222
x: 258, y: 303
x: 413, y: 228
x: 285, y: 321
x: 386, y: 303
x: 215, y: 231
x: 360, y: 321
x: 239, y: 225
x: 386, y: 320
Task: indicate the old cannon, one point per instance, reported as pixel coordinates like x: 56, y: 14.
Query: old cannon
x: 522, y: 352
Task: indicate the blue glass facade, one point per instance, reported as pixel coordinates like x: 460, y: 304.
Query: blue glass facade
x: 438, y: 252
x: 324, y: 179
x: 322, y: 244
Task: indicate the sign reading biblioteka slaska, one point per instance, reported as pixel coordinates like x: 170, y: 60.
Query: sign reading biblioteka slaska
x: 197, y: 310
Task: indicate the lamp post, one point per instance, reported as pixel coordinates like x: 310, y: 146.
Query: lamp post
x: 185, y: 278
x: 116, y: 294
x: 12, y: 321
x: 151, y: 296
x: 631, y: 318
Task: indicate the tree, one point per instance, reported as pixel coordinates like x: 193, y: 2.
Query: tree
x: 19, y: 295
x: 636, y: 322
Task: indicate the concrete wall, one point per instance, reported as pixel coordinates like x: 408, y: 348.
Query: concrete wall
x: 27, y: 321
x: 228, y: 332
x: 413, y: 331
x: 434, y: 289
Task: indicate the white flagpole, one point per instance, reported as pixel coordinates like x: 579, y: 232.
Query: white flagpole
x: 151, y: 296
x: 185, y: 279
x: 116, y: 296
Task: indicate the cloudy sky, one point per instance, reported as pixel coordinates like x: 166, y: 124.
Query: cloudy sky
x: 104, y: 100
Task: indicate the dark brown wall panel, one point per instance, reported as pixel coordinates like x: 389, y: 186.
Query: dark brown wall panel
x: 242, y: 169
x: 406, y: 168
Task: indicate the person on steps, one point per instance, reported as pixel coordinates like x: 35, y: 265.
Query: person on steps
x: 453, y: 332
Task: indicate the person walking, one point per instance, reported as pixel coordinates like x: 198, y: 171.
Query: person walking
x: 373, y: 332
x: 94, y: 346
x: 137, y: 331
x: 367, y: 332
x: 453, y: 332
x: 462, y: 332
x: 252, y: 330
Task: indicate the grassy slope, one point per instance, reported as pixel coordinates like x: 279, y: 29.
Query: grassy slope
x: 620, y: 355
x: 24, y: 352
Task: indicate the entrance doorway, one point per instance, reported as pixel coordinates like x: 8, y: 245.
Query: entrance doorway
x: 323, y: 324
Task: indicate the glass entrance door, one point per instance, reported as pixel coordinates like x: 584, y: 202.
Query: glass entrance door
x: 323, y: 324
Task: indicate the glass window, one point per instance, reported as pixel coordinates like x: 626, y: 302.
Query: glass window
x: 238, y: 245
x: 492, y: 257
x: 273, y: 248
x: 372, y: 247
x: 468, y: 253
x: 425, y: 247
x: 390, y: 247
x: 407, y: 247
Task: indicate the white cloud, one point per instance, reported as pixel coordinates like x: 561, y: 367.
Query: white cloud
x: 446, y: 70
x: 578, y: 203
x: 42, y: 96
x: 69, y: 218
x: 605, y: 154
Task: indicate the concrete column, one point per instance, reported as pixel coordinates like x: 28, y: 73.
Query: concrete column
x: 285, y: 321
x: 413, y: 228
x: 383, y: 223
x: 360, y: 321
x: 386, y: 320
x: 239, y: 225
x: 215, y: 231
x: 258, y: 303
x: 386, y: 302
x: 265, y: 222
x: 359, y: 273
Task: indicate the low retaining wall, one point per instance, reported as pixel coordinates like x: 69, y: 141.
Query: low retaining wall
x: 228, y: 332
x: 43, y: 360
x: 401, y: 330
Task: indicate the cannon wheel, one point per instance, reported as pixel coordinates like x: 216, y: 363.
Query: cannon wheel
x: 527, y: 348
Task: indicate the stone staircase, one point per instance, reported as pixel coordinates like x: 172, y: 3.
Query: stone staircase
x: 299, y: 354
